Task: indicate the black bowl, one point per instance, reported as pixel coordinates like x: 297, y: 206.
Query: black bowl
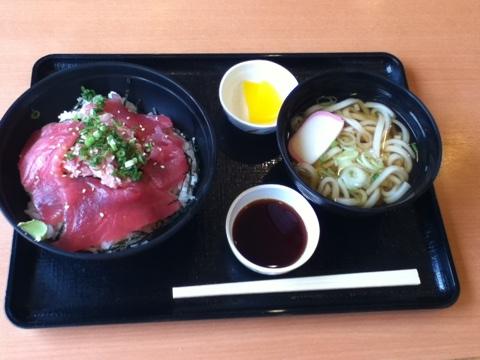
x: 367, y: 87
x: 58, y: 92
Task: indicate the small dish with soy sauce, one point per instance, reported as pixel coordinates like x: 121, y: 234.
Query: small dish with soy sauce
x: 272, y: 229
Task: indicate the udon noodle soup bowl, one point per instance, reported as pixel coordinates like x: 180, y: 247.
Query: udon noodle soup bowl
x: 408, y: 109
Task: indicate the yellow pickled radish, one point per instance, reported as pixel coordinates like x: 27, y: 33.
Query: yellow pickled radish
x: 263, y: 102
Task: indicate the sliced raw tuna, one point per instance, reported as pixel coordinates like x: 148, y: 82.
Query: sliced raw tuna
x: 41, y: 168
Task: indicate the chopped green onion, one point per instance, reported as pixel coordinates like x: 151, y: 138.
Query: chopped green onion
x: 345, y: 158
x: 35, y: 115
x: 97, y: 134
x: 370, y: 162
x: 99, y: 140
x: 148, y: 147
x: 111, y: 142
x: 70, y: 156
x: 130, y: 163
x: 89, y: 141
x: 137, y: 175
x: 99, y: 101
x: 87, y: 94
x: 95, y: 161
x: 415, y: 150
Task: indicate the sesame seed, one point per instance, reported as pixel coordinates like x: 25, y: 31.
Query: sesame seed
x: 159, y: 148
x: 66, y: 206
x: 162, y: 166
x: 84, y: 191
x: 155, y: 163
x: 128, y: 117
x: 118, y: 111
x: 102, y: 215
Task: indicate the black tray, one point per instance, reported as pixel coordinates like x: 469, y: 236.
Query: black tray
x: 47, y: 290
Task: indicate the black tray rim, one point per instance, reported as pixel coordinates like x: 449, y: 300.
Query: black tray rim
x: 214, y: 55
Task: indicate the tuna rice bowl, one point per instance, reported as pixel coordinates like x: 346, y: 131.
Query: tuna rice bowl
x: 105, y: 175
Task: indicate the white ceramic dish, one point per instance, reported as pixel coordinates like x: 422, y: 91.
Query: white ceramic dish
x: 231, y: 95
x: 288, y: 196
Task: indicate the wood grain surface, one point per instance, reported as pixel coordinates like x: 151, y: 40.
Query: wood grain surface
x: 438, y: 42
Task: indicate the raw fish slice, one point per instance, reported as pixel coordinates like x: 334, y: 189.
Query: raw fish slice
x: 41, y: 171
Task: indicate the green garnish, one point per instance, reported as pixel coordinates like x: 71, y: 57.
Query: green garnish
x: 148, y: 147
x: 77, y: 116
x: 35, y: 115
x: 70, y: 156
x: 89, y: 141
x: 35, y: 228
x: 99, y: 101
x: 128, y: 164
x: 87, y: 94
x: 111, y: 141
x: 99, y: 140
x: 346, y: 158
x: 326, y: 172
x: 415, y: 150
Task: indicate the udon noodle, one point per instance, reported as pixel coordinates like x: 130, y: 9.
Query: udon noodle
x: 369, y: 162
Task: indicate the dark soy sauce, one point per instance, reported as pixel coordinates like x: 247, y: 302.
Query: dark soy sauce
x: 270, y: 233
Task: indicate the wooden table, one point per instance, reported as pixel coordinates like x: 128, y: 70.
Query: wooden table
x: 439, y: 43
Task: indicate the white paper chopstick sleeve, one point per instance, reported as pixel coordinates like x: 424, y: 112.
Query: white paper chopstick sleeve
x: 407, y: 277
